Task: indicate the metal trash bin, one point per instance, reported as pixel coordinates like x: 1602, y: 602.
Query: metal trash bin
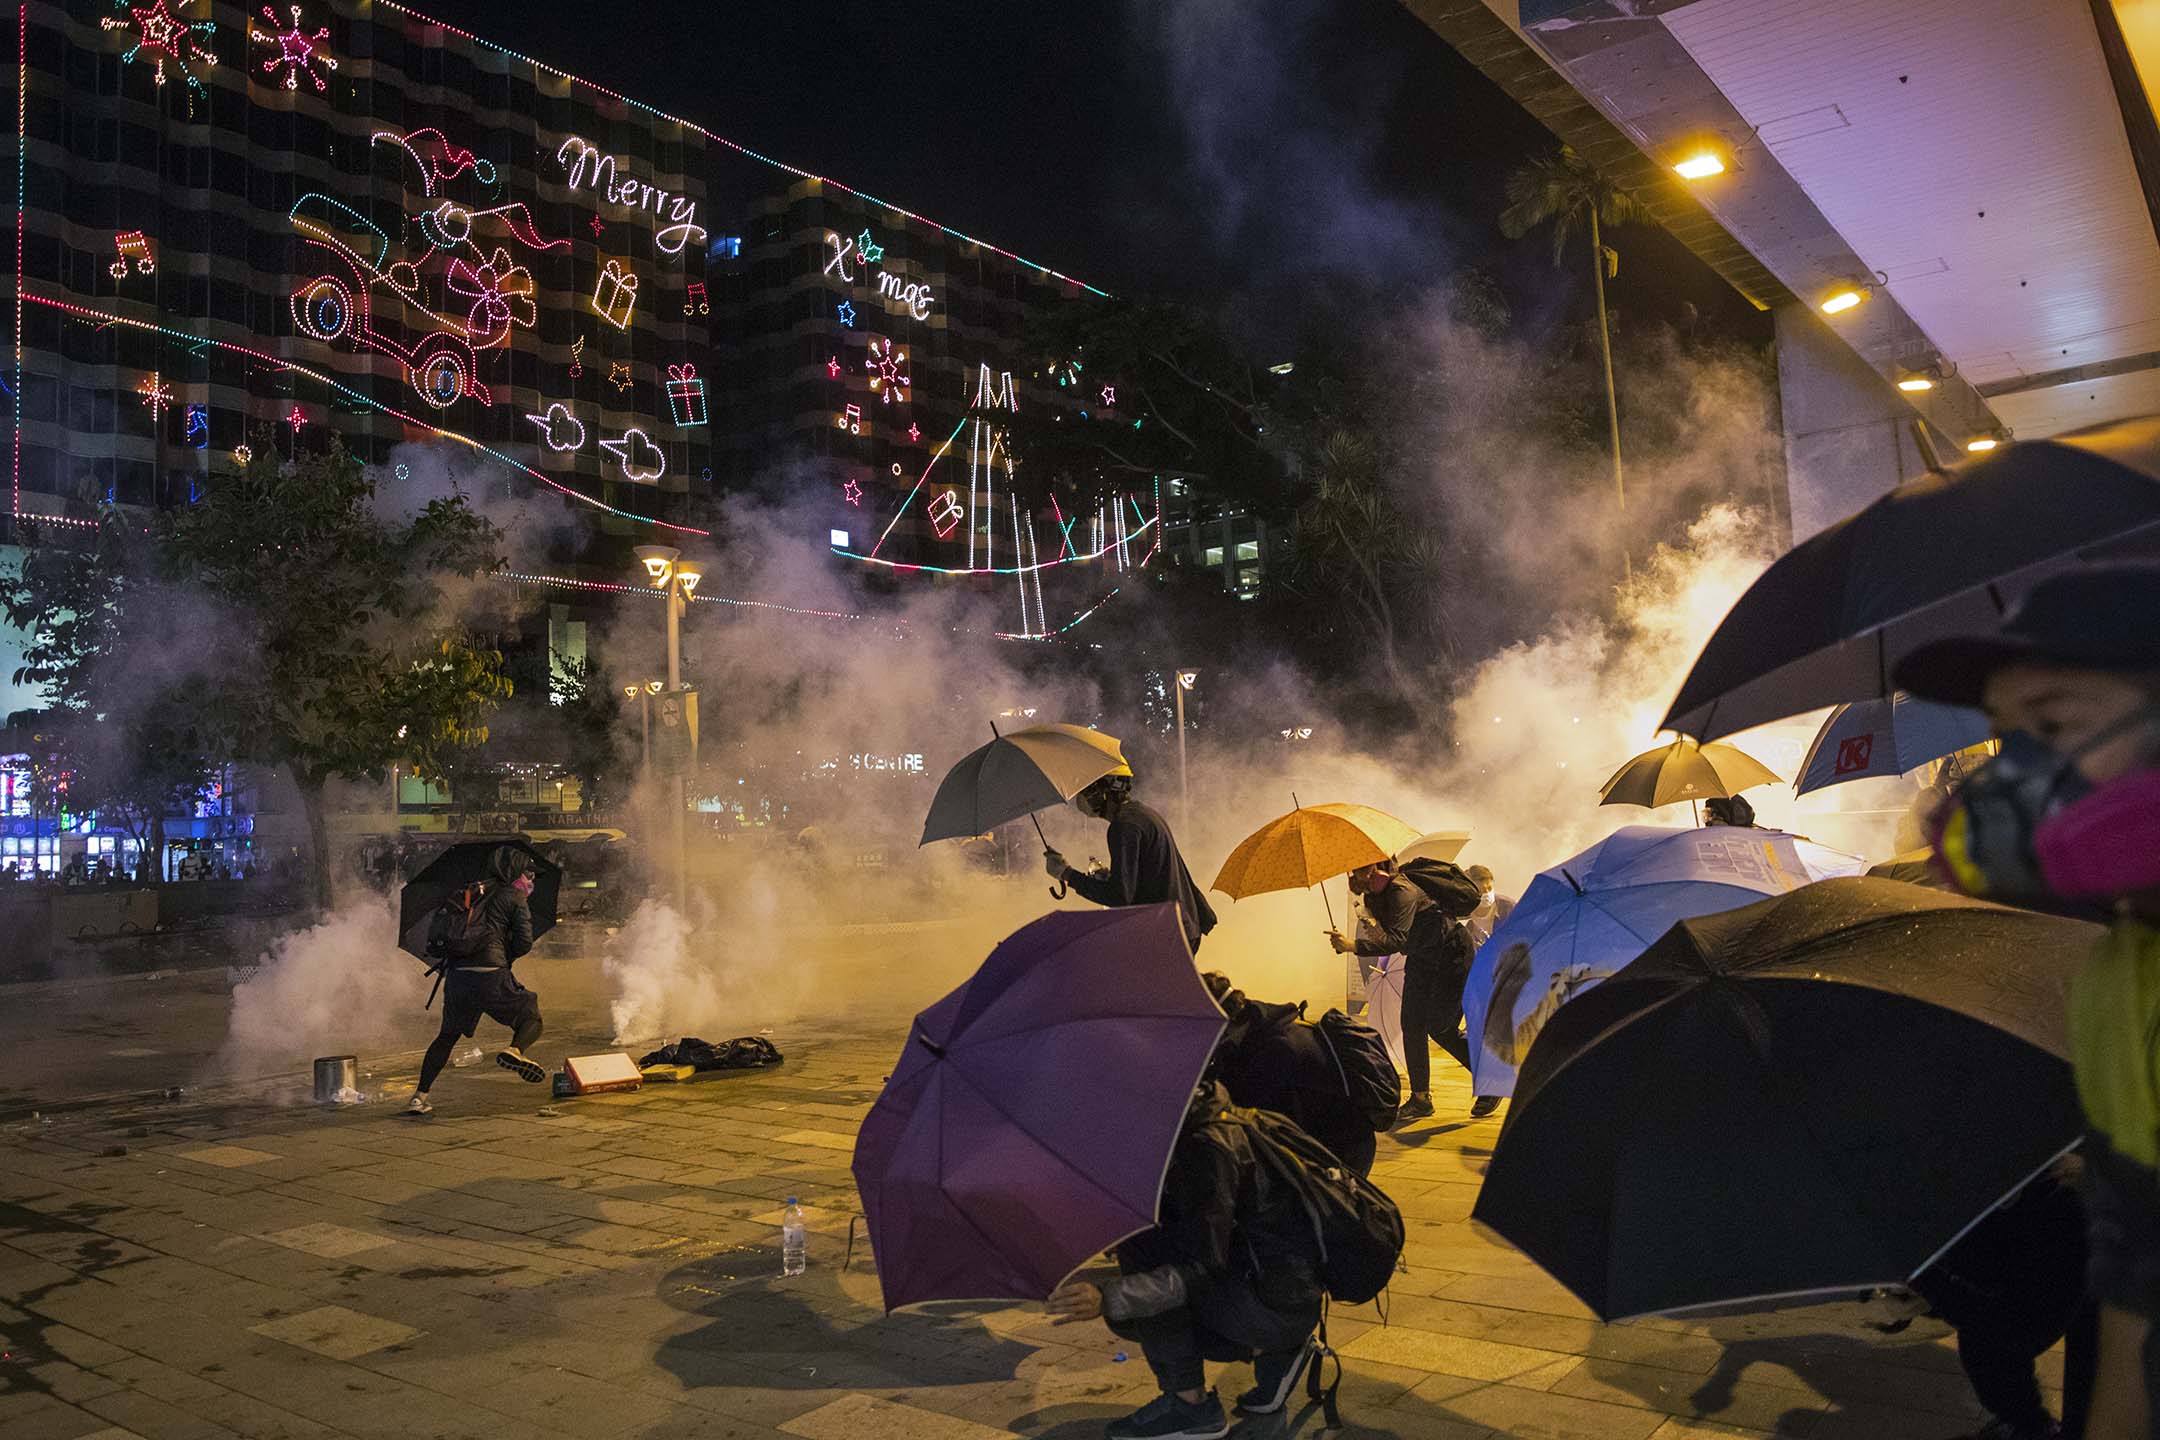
x: 334, y: 1075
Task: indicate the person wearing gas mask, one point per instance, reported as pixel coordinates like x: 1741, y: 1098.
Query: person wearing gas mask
x: 2067, y: 818
x: 1145, y: 866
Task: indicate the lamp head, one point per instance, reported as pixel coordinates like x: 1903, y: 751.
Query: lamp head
x: 652, y: 687
x: 687, y: 574
x: 658, y: 561
x: 630, y: 692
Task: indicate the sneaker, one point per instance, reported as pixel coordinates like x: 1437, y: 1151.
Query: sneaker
x: 513, y: 1059
x: 1417, y: 1107
x: 419, y: 1106
x: 1168, y: 1418
x: 1484, y: 1105
x: 1275, y: 1378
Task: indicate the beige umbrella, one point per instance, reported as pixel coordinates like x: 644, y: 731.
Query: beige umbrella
x: 1685, y: 770
x: 1439, y: 845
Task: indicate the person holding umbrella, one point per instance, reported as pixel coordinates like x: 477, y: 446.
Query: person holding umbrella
x: 1145, y: 866
x: 2068, y: 817
x: 1418, y: 914
x: 476, y: 943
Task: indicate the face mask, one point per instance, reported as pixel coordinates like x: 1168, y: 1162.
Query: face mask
x: 2028, y: 828
x: 1485, y: 898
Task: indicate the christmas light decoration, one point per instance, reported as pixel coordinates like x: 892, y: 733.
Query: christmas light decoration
x: 1068, y: 625
x: 837, y: 263
x: 439, y: 160
x: 647, y: 592
x: 845, y: 314
x: 850, y: 420
x: 912, y: 293
x: 695, y: 295
x: 870, y: 251
x: 132, y: 244
x: 598, y: 225
x: 501, y: 293
x: 296, y: 420
x: 297, y: 53
x: 615, y: 294
x: 1109, y: 394
x: 156, y: 395
x: 686, y: 394
x: 643, y: 462
x: 888, y: 371
x: 852, y: 493
x: 914, y: 433
x: 945, y: 513
x: 619, y: 375
x: 355, y: 398
x: 587, y: 167
x: 1050, y: 564
x: 577, y: 352
x: 832, y: 367
x: 559, y: 429
x: 244, y: 454
x: 404, y: 472
x: 197, y: 428
x: 166, y: 36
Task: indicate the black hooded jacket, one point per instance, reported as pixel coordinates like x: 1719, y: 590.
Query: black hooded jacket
x: 505, y: 911
x: 1146, y: 869
x: 1419, y: 915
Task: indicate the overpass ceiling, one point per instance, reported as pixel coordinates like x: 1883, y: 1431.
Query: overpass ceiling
x: 1974, y: 152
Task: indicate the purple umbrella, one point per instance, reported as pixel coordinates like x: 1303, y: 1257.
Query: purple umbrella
x: 1028, y: 1123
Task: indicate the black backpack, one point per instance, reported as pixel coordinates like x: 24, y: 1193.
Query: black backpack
x: 459, y: 931
x: 1356, y: 1231
x: 1367, y: 1070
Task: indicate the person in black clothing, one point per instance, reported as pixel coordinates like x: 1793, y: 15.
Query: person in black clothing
x: 1145, y: 866
x: 1203, y: 1286
x: 1419, y: 913
x: 482, y: 985
x: 1728, y: 810
x: 2012, y: 1287
x: 1270, y: 1059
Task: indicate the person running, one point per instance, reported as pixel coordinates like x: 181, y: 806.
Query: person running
x: 1419, y: 914
x: 479, y: 983
x: 2067, y: 817
x: 1145, y: 866
x: 1206, y: 1285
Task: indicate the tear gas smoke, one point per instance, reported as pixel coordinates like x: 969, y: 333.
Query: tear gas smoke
x: 341, y: 986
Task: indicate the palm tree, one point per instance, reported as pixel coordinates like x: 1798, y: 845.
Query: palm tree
x: 1566, y: 190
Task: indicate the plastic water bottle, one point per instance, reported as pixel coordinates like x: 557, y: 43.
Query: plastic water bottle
x: 794, y: 1240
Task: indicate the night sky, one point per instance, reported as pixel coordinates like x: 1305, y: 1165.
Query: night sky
x: 1212, y: 149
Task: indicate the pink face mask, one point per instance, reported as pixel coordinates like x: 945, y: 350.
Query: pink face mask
x: 2105, y: 844
x: 523, y: 884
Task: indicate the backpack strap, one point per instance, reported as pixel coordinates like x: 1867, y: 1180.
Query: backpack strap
x: 1324, y: 1395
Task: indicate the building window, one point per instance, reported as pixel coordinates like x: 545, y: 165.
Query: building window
x: 1214, y: 555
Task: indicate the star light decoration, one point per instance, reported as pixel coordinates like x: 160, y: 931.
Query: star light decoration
x: 888, y: 370
x: 157, y: 29
x: 597, y: 226
x: 296, y: 420
x: 851, y: 492
x: 297, y: 52
x: 914, y: 433
x: 845, y: 314
x: 156, y: 395
x: 619, y: 375
x: 832, y: 367
x: 1109, y: 394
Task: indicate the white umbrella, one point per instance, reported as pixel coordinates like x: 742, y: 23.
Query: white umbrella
x: 1016, y: 775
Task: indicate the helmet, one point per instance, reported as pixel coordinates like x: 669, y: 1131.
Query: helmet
x: 1095, y: 799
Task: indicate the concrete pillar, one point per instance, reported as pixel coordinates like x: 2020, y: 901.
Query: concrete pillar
x: 1848, y: 435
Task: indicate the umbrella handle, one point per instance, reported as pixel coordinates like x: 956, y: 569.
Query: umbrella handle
x: 1058, y: 891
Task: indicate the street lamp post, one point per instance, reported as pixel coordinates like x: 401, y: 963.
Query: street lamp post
x: 677, y: 579
x: 1185, y: 682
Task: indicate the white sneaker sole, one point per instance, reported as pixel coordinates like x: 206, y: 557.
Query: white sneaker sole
x: 1273, y: 1404
x: 521, y: 1067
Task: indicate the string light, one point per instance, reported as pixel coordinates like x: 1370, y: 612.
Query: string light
x: 648, y: 593
x: 914, y: 433
x: 171, y: 38
x: 845, y: 314
x: 1050, y: 564
x: 619, y: 375
x: 832, y: 367
x: 156, y: 395
x: 136, y: 244
x: 852, y: 493
x: 297, y: 53
x: 686, y: 395
x: 945, y: 513
x: 1109, y: 394
x: 243, y: 454
x: 888, y: 370
x: 615, y: 295
x: 352, y: 396
x: 743, y: 150
x: 643, y: 462
x: 585, y: 165
x: 559, y: 429
x: 296, y: 420
x: 865, y: 247
x: 198, y: 426
x: 1069, y: 625
x: 920, y: 481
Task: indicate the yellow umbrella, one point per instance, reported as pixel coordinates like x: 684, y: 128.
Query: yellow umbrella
x: 1311, y: 844
x: 1685, y: 770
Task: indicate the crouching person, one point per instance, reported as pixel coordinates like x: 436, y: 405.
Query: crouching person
x: 1207, y: 1284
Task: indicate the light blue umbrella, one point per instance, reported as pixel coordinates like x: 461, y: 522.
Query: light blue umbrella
x: 1585, y: 918
x: 1870, y: 739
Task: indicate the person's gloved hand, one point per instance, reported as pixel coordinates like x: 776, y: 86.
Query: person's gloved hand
x: 1342, y: 946
x: 1055, y: 865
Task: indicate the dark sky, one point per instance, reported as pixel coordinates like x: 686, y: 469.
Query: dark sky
x: 1197, y: 147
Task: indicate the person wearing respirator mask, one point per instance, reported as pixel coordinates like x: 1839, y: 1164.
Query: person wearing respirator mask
x: 1145, y: 866
x: 2067, y: 819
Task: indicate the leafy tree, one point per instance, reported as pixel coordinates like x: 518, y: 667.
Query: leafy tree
x: 591, y: 713
x: 1567, y: 192
x: 348, y: 655
x: 130, y: 734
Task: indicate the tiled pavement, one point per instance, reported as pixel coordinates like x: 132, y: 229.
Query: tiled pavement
x: 611, y: 1270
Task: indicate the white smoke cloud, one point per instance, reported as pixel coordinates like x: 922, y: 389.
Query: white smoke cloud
x: 339, y: 987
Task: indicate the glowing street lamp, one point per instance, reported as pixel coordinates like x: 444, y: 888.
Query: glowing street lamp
x: 1839, y: 301
x: 678, y: 578
x: 1981, y: 444
x: 658, y: 560
x: 1186, y: 679
x: 1701, y: 165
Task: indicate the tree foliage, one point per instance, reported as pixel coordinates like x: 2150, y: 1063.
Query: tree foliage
x: 591, y: 711
x: 1565, y: 191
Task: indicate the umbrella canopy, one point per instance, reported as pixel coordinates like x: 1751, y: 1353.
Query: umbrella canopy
x: 1439, y: 845
x: 1684, y: 770
x: 1944, y: 555
x: 1778, y: 1101
x: 1587, y: 917
x: 467, y: 863
x: 1311, y: 844
x: 1871, y: 739
x: 1383, y: 1006
x: 1016, y: 775
x: 1029, y: 1122
x: 1914, y: 867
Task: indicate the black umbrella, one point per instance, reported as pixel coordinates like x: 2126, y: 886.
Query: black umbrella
x: 465, y: 864
x: 1816, y: 1094
x: 1943, y: 555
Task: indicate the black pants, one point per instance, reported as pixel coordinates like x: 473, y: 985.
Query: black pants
x: 1431, y: 1006
x: 1222, y: 1321
x: 467, y: 996
x: 1998, y: 1360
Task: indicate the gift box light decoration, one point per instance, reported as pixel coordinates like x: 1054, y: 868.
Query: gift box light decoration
x: 686, y: 394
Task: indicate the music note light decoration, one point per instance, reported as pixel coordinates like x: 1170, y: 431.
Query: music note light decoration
x: 695, y: 297
x: 132, y: 245
x: 850, y: 420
